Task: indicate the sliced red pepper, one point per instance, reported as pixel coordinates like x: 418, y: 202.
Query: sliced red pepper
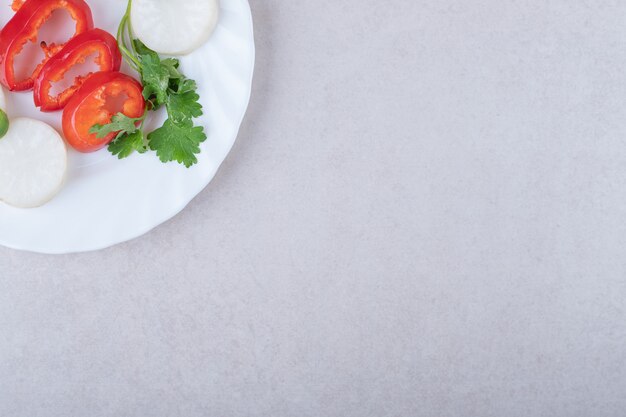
x: 17, y: 4
x: 24, y: 27
x: 75, y: 52
x: 102, y: 95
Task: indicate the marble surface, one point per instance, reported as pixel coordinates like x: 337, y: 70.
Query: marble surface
x: 424, y: 215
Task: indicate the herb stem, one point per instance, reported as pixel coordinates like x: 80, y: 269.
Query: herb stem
x: 124, y: 32
x: 131, y: 34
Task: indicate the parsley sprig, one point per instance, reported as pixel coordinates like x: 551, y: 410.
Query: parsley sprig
x: 163, y: 85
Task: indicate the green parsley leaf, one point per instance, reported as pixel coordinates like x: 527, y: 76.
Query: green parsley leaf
x: 177, y: 142
x: 172, y: 65
x: 124, y: 145
x: 182, y: 85
x: 119, y: 123
x: 182, y: 107
x: 187, y: 85
x: 142, y: 49
x: 163, y: 84
x: 156, y: 79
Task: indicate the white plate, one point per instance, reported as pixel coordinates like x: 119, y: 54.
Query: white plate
x: 107, y: 201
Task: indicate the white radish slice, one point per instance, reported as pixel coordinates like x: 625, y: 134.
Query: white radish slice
x: 174, y: 27
x: 33, y: 163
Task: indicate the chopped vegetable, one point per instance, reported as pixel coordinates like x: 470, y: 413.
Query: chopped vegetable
x: 93, y: 42
x: 102, y: 96
x: 23, y: 28
x: 163, y: 85
x: 4, y: 119
x: 17, y: 4
x: 177, y: 142
x: 33, y: 163
x: 120, y: 124
x: 174, y: 27
x: 4, y: 124
x: 125, y: 145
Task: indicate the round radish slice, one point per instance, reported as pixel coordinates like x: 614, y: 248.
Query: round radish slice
x: 174, y: 27
x: 33, y: 163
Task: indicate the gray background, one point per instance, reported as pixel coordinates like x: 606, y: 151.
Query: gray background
x: 424, y: 215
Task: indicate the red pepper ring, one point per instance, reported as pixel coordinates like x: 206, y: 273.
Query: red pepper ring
x: 24, y: 27
x: 102, y: 95
x: 75, y: 52
x: 17, y: 4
